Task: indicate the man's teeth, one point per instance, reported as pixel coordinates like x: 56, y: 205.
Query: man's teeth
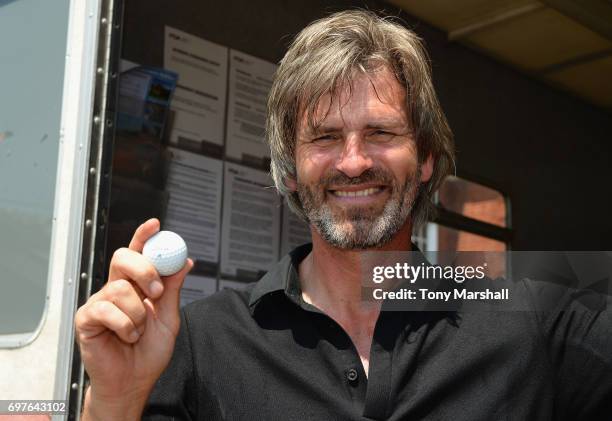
x: 357, y: 193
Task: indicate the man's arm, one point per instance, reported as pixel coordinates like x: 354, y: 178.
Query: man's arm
x: 577, y: 327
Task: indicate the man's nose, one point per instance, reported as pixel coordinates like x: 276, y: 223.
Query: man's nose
x: 354, y: 159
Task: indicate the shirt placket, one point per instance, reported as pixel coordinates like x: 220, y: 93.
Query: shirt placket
x: 379, y: 389
x: 351, y: 372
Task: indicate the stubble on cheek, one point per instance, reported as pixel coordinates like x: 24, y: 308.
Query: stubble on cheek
x: 316, y: 198
x: 354, y: 227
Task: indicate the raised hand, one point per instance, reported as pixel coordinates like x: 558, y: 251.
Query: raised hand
x: 127, y: 330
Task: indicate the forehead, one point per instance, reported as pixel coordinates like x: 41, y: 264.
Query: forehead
x: 373, y: 94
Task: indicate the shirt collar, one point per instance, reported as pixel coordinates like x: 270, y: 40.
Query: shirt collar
x: 284, y: 277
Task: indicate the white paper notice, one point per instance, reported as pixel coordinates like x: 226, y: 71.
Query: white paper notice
x: 237, y: 285
x: 295, y: 232
x: 249, y: 84
x: 194, y: 207
x: 199, y: 98
x: 251, y: 222
x: 197, y: 287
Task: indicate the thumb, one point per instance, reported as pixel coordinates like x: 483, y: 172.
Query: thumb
x: 168, y: 304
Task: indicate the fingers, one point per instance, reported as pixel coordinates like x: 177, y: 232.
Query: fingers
x: 134, y: 289
x: 174, y: 282
x: 97, y: 317
x: 121, y: 306
x: 129, y: 264
x: 127, y: 298
x: 143, y: 233
x: 101, y: 312
x: 168, y: 304
x: 133, y: 286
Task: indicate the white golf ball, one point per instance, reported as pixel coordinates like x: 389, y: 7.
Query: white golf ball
x: 167, y: 251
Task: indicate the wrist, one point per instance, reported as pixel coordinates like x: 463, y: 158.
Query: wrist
x: 97, y: 407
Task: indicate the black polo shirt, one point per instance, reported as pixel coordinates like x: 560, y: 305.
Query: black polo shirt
x: 265, y: 354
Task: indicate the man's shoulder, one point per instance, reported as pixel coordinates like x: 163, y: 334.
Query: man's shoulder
x: 222, y: 304
x: 240, y: 302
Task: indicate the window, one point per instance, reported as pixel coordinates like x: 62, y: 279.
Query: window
x: 471, y: 217
x: 32, y: 52
x: 473, y: 201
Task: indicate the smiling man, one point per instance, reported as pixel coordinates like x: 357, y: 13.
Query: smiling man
x: 359, y: 145
x: 358, y: 172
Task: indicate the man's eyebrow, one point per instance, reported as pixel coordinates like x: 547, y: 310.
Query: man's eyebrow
x: 386, y: 123
x: 322, y: 128
x: 383, y: 123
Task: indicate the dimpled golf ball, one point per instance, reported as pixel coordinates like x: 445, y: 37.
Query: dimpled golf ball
x: 167, y: 251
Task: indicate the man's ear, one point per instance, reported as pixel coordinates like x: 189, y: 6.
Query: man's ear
x: 291, y: 183
x: 427, y: 169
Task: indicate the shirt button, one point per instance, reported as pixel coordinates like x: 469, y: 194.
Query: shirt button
x: 352, y: 374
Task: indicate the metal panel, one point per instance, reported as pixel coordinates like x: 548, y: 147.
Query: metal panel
x: 541, y: 38
x: 591, y: 80
x: 594, y: 14
x: 92, y: 271
x: 538, y: 40
x: 76, y: 128
x: 452, y: 14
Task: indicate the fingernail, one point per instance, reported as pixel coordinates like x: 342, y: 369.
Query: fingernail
x: 156, y: 288
x: 134, y: 336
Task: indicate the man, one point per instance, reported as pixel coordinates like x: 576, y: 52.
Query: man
x: 359, y: 145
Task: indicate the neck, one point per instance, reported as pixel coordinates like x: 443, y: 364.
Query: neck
x: 331, y: 277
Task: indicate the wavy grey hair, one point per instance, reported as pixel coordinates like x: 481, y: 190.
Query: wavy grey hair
x: 323, y: 58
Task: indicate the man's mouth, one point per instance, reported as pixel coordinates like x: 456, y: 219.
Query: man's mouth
x: 357, y: 193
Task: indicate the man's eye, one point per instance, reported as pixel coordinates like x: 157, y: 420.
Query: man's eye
x: 324, y: 138
x: 382, y: 134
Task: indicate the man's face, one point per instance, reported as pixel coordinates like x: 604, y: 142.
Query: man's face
x: 357, y: 170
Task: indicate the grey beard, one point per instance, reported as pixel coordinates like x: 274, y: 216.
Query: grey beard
x: 361, y: 231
